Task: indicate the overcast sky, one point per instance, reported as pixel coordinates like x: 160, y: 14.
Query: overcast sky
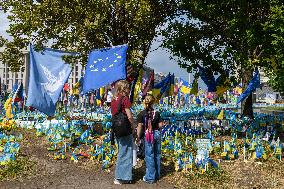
x: 157, y: 59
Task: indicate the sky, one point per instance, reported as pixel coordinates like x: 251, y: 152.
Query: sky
x: 158, y: 58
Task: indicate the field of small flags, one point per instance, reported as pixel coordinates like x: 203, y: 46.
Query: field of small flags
x: 80, y: 135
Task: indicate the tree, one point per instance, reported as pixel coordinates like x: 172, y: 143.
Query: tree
x: 232, y: 35
x: 275, y: 63
x: 83, y: 25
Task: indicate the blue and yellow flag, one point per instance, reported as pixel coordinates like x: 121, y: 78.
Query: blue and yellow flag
x: 160, y: 88
x: 172, y: 85
x: 208, y: 78
x: 77, y: 88
x: 253, y: 84
x: 184, y: 87
x: 222, y: 84
x: 138, y: 85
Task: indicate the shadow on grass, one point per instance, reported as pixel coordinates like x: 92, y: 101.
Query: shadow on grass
x: 139, y: 172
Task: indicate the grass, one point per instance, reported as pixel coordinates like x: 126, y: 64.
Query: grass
x: 274, y: 108
x: 213, y: 178
x: 21, y: 167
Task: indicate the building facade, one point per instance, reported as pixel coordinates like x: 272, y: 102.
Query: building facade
x: 265, y: 94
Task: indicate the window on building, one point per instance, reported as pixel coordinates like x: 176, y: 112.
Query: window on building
x: 76, y: 80
x: 22, y: 75
x: 76, y: 74
x: 16, y: 75
x: 8, y: 75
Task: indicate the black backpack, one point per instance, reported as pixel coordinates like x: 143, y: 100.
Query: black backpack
x: 121, y: 125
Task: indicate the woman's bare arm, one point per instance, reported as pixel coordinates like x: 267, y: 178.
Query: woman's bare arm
x: 139, y: 130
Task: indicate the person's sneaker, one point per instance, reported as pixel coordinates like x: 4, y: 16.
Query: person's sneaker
x: 149, y: 182
x: 117, y: 182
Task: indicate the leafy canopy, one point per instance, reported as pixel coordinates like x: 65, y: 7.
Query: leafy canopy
x: 231, y: 35
x: 82, y: 25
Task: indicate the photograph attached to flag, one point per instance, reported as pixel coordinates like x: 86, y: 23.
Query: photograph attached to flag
x: 48, y: 74
x: 104, y: 67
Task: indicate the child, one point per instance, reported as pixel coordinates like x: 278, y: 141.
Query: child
x: 149, y: 124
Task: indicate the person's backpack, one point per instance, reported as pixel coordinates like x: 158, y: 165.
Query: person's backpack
x: 121, y: 125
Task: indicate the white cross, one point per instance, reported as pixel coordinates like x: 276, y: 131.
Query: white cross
x: 100, y: 59
x: 115, y: 61
x: 111, y: 65
x: 95, y: 61
x: 91, y: 66
x: 104, y: 70
x: 95, y: 70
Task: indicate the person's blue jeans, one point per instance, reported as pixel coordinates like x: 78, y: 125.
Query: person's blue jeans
x: 153, y: 158
x: 124, y: 162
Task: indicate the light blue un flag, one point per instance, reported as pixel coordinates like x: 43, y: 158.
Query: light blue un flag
x: 48, y: 73
x: 104, y: 67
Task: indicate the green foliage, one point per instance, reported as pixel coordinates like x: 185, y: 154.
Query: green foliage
x: 80, y: 26
x: 21, y: 166
x: 234, y: 35
x: 213, y: 177
x: 275, y: 62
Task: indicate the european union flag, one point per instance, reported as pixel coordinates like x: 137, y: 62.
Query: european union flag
x: 48, y: 73
x: 253, y: 84
x: 104, y: 67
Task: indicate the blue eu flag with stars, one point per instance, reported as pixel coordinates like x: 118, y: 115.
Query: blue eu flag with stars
x: 104, y: 67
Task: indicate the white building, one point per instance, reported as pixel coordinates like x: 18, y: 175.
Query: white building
x: 266, y: 94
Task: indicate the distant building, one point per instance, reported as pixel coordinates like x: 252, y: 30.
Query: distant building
x: 266, y: 94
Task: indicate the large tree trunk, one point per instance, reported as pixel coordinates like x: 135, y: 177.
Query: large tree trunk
x: 246, y: 106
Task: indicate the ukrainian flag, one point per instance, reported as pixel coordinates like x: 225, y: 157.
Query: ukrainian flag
x: 138, y: 85
x: 172, y: 85
x: 184, y: 87
x: 160, y: 88
x: 77, y: 88
x: 223, y: 84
